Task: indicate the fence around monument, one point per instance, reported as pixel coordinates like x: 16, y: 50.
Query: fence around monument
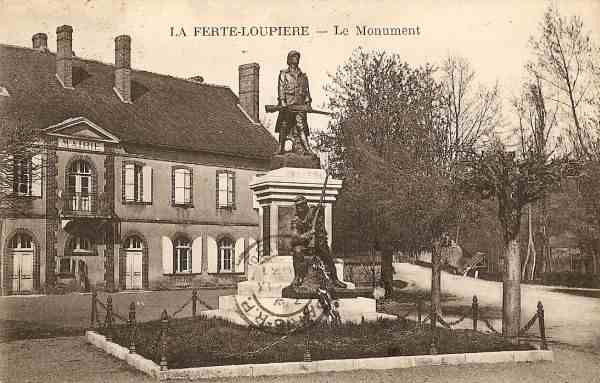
x: 105, y: 318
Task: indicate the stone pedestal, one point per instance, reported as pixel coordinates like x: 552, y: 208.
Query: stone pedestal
x: 259, y: 299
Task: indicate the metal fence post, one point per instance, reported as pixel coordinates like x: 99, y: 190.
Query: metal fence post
x: 132, y: 327
x: 475, y: 309
x: 109, y: 318
x: 433, y: 346
x: 540, y: 315
x: 164, y: 325
x: 194, y: 299
x: 94, y: 310
x: 307, y: 355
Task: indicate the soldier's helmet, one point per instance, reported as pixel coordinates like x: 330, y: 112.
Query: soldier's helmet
x: 300, y: 200
x: 292, y: 54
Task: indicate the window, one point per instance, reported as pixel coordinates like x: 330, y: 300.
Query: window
x: 225, y: 189
x: 133, y: 243
x: 79, y: 187
x: 81, y: 245
x: 226, y: 255
x: 21, y: 242
x: 183, y: 256
x: 137, y: 183
x: 27, y: 176
x: 182, y: 186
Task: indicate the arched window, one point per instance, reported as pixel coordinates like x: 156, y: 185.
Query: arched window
x: 182, y: 258
x: 80, y: 190
x: 226, y: 254
x: 21, y: 242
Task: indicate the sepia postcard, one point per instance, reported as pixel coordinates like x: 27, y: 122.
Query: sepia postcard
x: 282, y: 191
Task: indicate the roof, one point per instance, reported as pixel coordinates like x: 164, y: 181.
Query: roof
x: 166, y: 111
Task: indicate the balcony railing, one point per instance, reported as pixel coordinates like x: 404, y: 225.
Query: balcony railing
x: 80, y: 203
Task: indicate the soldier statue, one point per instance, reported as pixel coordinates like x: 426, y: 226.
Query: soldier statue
x: 293, y: 95
x: 309, y: 244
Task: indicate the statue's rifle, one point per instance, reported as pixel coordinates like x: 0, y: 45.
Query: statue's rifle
x: 318, y: 210
x: 294, y: 109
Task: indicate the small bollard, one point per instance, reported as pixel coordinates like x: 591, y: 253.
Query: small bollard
x: 475, y: 309
x: 540, y: 313
x: 194, y: 299
x: 109, y: 319
x: 164, y: 325
x: 94, y: 310
x: 307, y: 355
x: 132, y: 328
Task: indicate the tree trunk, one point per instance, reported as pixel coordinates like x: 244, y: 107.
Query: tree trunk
x: 511, y: 291
x: 387, y: 271
x: 436, y: 280
x: 2, y: 260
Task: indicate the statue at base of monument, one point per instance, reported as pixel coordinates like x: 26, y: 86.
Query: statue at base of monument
x: 314, y: 267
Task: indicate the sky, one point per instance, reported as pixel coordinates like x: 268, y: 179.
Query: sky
x: 492, y: 35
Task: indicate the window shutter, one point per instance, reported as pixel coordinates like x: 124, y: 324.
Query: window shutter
x: 252, y: 251
x: 172, y: 186
x: 218, y: 189
x: 167, y: 255
x: 36, y: 175
x: 232, y: 186
x: 191, y: 175
x: 7, y: 176
x: 239, y: 256
x: 123, y: 171
x: 211, y: 253
x: 147, y: 184
x: 197, y: 255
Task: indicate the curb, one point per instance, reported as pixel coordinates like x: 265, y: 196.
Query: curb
x: 292, y: 368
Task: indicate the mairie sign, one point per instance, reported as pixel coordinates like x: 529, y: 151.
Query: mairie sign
x: 73, y: 143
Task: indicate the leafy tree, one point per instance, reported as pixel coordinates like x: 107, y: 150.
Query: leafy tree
x: 18, y: 144
x: 394, y: 144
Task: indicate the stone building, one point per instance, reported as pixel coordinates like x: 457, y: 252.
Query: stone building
x: 144, y: 177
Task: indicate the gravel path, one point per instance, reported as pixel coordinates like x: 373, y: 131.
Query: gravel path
x: 73, y: 360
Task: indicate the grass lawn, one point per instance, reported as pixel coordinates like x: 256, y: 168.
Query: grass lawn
x: 197, y: 342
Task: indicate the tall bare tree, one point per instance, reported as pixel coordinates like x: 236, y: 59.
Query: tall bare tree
x: 566, y: 61
x: 540, y: 139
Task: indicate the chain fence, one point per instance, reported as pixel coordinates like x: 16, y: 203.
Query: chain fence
x: 104, y: 316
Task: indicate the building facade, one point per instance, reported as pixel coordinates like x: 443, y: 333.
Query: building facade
x: 141, y: 179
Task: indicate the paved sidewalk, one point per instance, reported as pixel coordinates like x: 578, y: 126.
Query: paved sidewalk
x: 73, y: 360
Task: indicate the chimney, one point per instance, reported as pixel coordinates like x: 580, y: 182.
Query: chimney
x: 40, y: 41
x: 197, y: 79
x: 123, y: 68
x: 64, y: 55
x: 248, y: 89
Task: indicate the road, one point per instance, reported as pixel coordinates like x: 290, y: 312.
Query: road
x: 73, y: 310
x: 570, y: 318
